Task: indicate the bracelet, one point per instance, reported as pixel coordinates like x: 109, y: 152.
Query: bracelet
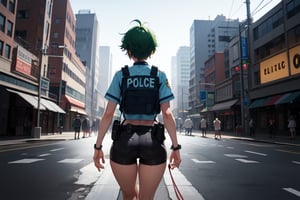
x: 176, y: 148
x: 97, y: 148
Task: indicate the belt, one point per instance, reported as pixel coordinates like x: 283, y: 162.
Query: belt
x: 135, y: 128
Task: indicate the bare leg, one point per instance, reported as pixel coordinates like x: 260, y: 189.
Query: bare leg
x: 149, y: 179
x: 126, y: 177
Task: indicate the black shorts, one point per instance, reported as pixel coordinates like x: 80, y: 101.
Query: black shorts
x: 135, y: 143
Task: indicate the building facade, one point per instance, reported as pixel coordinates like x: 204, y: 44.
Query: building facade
x: 87, y: 49
x: 183, y: 77
x: 274, y: 78
x: 24, y: 75
x: 67, y: 71
x: 207, y: 37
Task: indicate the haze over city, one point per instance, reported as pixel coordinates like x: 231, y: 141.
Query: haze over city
x: 170, y: 20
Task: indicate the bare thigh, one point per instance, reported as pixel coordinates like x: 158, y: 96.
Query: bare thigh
x: 126, y: 176
x: 149, y: 179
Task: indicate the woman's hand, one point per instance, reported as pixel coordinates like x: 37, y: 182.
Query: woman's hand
x: 175, y: 159
x: 98, y: 155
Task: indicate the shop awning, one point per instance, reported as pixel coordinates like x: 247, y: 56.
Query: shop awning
x: 78, y: 110
x: 289, y: 98
x: 258, y: 103
x: 272, y: 100
x: 51, y: 106
x: 224, y: 105
x: 75, y: 102
x: 32, y: 100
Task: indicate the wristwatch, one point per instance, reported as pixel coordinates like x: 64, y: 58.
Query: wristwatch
x: 97, y: 148
x: 176, y: 148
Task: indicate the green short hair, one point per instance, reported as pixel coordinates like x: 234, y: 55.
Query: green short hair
x: 140, y: 41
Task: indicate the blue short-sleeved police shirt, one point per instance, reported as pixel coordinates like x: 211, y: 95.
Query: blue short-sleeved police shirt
x: 114, y: 91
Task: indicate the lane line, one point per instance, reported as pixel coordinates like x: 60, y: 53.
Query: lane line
x: 256, y: 153
x: 57, y: 149
x: 293, y: 191
x: 296, y: 162
x: 45, y: 154
x: 202, y: 161
x: 246, y: 161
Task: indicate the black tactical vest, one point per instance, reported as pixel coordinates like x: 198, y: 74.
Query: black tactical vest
x: 140, y: 93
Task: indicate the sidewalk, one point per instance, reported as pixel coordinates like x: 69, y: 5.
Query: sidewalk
x: 278, y: 139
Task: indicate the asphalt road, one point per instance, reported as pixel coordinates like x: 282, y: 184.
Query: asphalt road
x: 217, y: 169
x: 234, y: 169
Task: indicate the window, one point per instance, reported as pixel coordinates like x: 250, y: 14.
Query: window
x: 7, y: 51
x: 4, y: 2
x: 55, y: 35
x: 1, y: 47
x: 9, y: 28
x: 11, y: 6
x: 2, y: 22
x: 22, y: 14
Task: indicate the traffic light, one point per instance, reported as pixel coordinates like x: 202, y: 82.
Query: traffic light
x: 236, y: 68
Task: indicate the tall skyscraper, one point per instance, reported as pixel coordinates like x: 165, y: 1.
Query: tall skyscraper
x: 87, y: 49
x: 206, y: 38
x: 183, y: 78
x: 104, y: 74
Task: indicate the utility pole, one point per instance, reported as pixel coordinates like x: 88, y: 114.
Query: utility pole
x: 245, y: 58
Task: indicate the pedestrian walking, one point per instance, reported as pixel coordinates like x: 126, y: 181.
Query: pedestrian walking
x: 142, y: 91
x: 217, y: 126
x: 292, y: 127
x: 76, y: 126
x: 252, y: 127
x: 86, y: 127
x: 271, y: 125
x: 188, y: 125
x: 203, y: 126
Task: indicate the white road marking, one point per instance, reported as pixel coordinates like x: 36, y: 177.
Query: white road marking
x: 293, y: 191
x: 202, y: 161
x: 230, y: 147
x: 70, y: 160
x: 26, y: 161
x: 185, y: 187
x: 257, y: 153
x: 235, y: 156
x: 246, y: 161
x: 57, y: 149
x: 45, y: 154
x: 296, y: 162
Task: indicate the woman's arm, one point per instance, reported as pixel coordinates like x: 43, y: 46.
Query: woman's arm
x: 103, y: 127
x: 170, y: 125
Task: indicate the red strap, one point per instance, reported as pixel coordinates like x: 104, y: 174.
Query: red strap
x: 177, y: 192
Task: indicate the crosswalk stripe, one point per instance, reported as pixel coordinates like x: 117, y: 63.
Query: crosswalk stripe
x: 296, y: 162
x: 246, y: 161
x: 70, y: 160
x: 26, y: 161
x: 235, y: 156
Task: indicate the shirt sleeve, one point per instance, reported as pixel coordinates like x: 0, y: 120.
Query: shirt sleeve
x: 114, y: 91
x: 165, y: 92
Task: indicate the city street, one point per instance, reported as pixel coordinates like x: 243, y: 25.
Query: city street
x: 218, y: 169
x: 234, y: 169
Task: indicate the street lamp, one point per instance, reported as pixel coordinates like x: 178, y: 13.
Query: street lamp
x: 44, y: 52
